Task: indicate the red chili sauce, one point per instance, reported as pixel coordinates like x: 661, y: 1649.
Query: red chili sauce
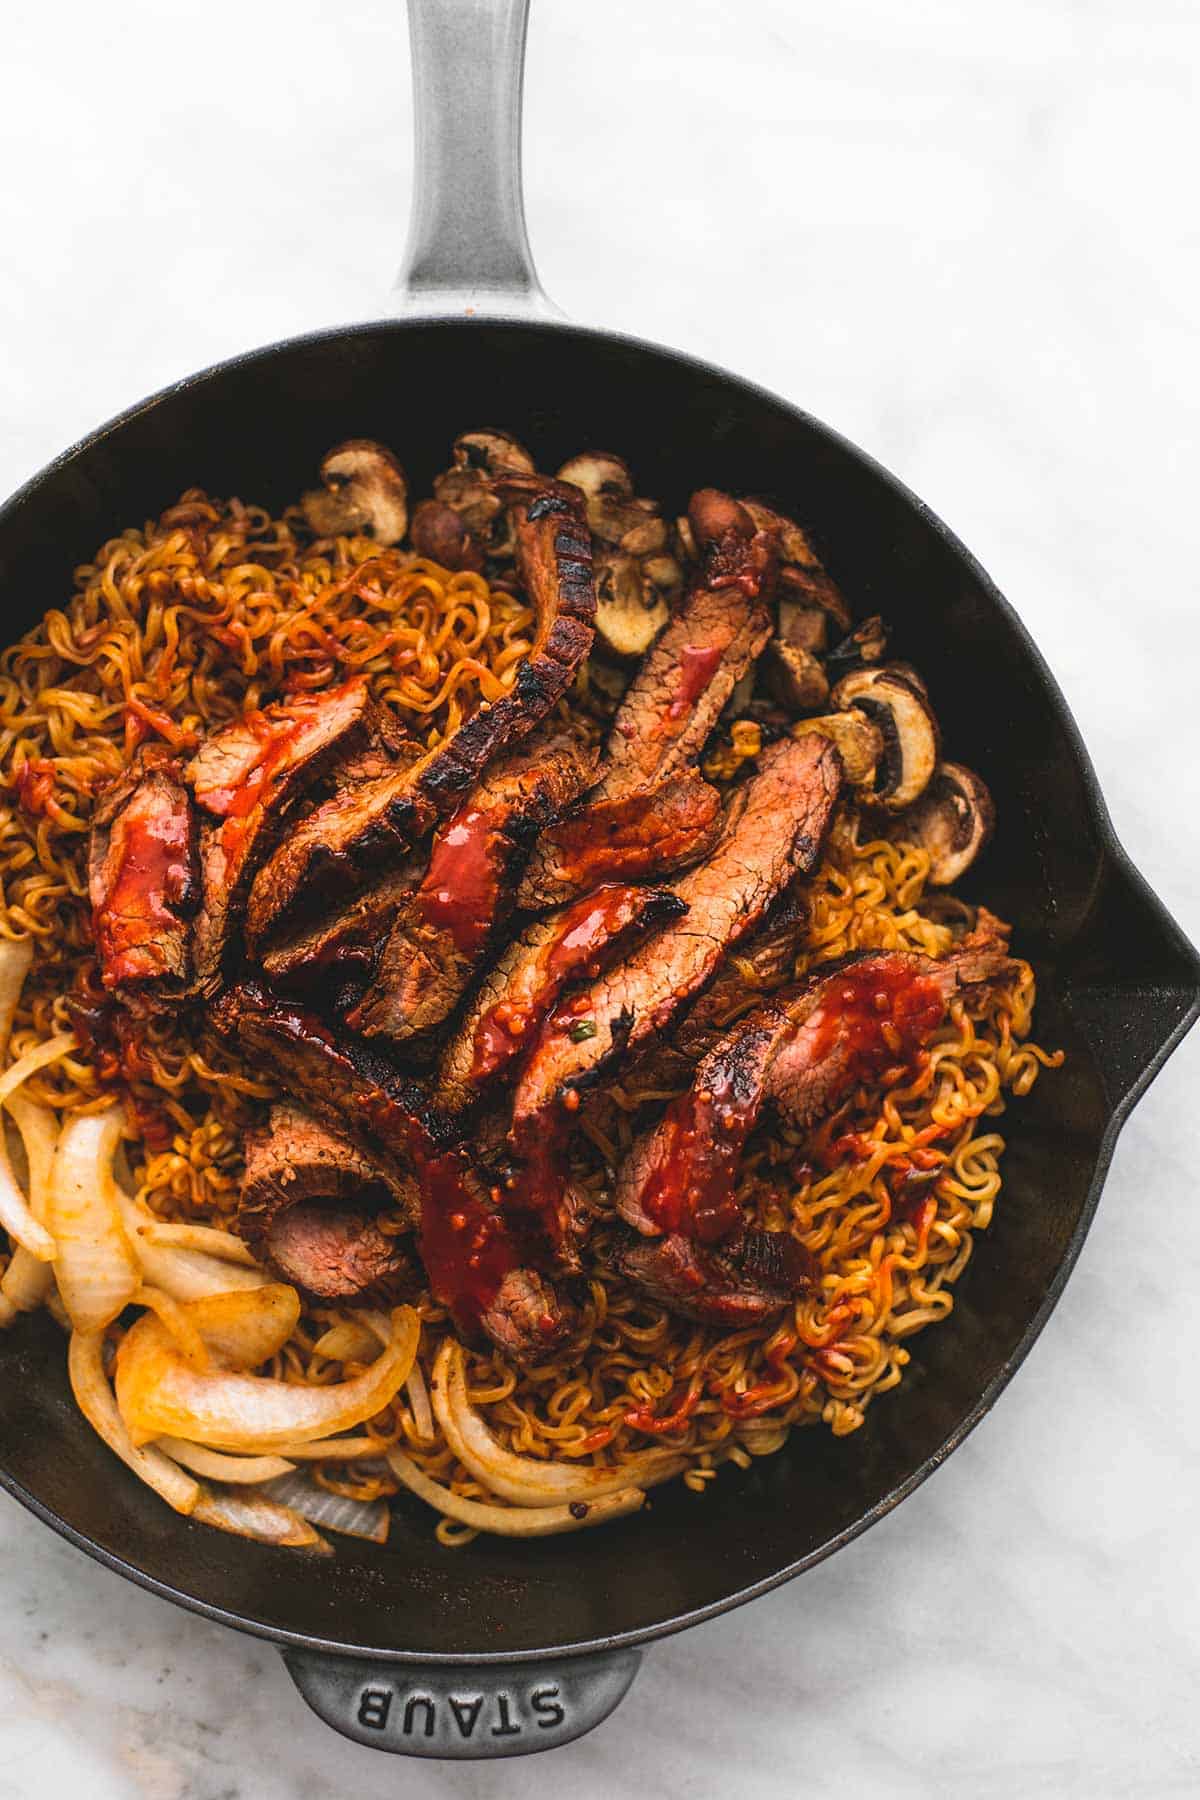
x: 462, y: 884
x: 586, y: 929
x: 632, y: 838
x: 698, y: 663
x: 874, y: 1016
x: 466, y: 1245
x: 153, y: 873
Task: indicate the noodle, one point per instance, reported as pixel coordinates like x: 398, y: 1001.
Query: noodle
x: 174, y: 629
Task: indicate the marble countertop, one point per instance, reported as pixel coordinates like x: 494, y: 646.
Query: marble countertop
x: 960, y: 234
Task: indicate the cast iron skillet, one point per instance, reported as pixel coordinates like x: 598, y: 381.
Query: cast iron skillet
x: 504, y: 1648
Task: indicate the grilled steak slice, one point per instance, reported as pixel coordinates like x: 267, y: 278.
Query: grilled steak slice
x: 524, y: 983
x: 636, y: 837
x: 773, y: 829
x: 757, y: 966
x: 471, y: 1254
x: 343, y: 947
x: 742, y: 1282
x: 649, y: 813
x: 142, y: 881
x: 245, y: 776
x: 677, y: 695
x: 340, y: 846
x: 451, y: 918
x: 866, y: 1017
x: 307, y: 1202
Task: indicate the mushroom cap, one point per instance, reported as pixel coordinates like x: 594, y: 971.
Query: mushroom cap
x: 492, y: 452
x: 614, y: 515
x: 599, y: 474
x: 795, y: 677
x: 365, y: 490
x: 857, y: 739
x: 893, y: 702
x: 952, y: 820
x: 630, y: 612
x: 440, y: 534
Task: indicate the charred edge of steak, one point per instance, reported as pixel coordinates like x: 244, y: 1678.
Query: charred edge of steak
x: 342, y: 947
x: 746, y: 1281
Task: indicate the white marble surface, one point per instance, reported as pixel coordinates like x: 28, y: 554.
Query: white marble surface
x: 965, y: 234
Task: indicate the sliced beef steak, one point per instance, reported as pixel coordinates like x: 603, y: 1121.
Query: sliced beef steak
x: 650, y: 813
x: 475, y: 1261
x: 773, y: 829
x: 637, y: 837
x: 865, y: 1018
x: 307, y: 1205
x: 450, y: 919
x: 343, y: 947
x: 246, y: 775
x: 742, y: 1282
x: 338, y: 846
x: 524, y: 983
x: 142, y: 881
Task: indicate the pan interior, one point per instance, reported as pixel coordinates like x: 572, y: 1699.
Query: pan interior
x: 1116, y: 978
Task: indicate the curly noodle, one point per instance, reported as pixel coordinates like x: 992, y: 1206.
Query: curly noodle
x: 177, y: 627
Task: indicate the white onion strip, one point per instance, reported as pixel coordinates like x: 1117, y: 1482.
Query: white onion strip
x: 209, y: 1239
x: 266, y: 1521
x: 215, y: 1466
x: 368, y: 1519
x: 51, y: 1051
x: 94, y: 1398
x: 333, y: 1449
x: 513, y: 1521
x: 418, y: 1399
x: 28, y: 1277
x: 96, y: 1270
x: 159, y: 1396
x: 184, y: 1274
x: 16, y: 960
x: 522, y: 1479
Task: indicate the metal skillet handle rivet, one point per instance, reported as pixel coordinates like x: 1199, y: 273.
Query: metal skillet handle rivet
x: 463, y: 1712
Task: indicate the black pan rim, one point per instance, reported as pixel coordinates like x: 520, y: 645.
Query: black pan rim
x: 1118, y: 861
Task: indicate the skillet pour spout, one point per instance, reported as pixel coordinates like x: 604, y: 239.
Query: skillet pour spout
x: 505, y: 1647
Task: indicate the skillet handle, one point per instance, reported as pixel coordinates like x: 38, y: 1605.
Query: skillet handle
x: 467, y: 247
x: 463, y: 1711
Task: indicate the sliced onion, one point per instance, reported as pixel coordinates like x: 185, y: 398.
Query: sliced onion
x: 173, y: 1315
x: 513, y: 1521
x: 369, y: 1519
x: 522, y: 1479
x: 159, y: 1396
x: 94, y: 1398
x: 16, y: 959
x: 209, y: 1239
x: 333, y: 1449
x: 29, y: 1278
x: 348, y: 1341
x: 266, y: 1521
x: 96, y: 1269
x: 214, y: 1466
x: 185, y: 1274
x: 418, y: 1399
x: 51, y: 1051
x: 8, y: 1312
x: 247, y: 1327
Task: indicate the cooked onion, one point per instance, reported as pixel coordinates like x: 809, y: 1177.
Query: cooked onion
x: 173, y: 1315
x: 418, y: 1399
x: 185, y: 1274
x: 215, y: 1466
x: 333, y: 1449
x: 513, y: 1521
x: 29, y: 1278
x: 521, y: 1479
x: 16, y: 959
x: 348, y: 1341
x: 94, y: 1398
x: 96, y: 1269
x: 209, y: 1239
x: 160, y: 1396
x: 245, y: 1328
x: 266, y: 1521
x: 368, y: 1519
x: 39, y: 1057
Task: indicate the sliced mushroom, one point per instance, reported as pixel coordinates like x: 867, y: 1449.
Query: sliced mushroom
x: 440, y: 534
x: 364, y: 490
x: 630, y: 612
x: 898, y: 707
x: 615, y: 515
x: 795, y: 677
x: 867, y: 643
x: 859, y: 742
x: 466, y: 487
x: 803, y: 580
x: 952, y: 820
